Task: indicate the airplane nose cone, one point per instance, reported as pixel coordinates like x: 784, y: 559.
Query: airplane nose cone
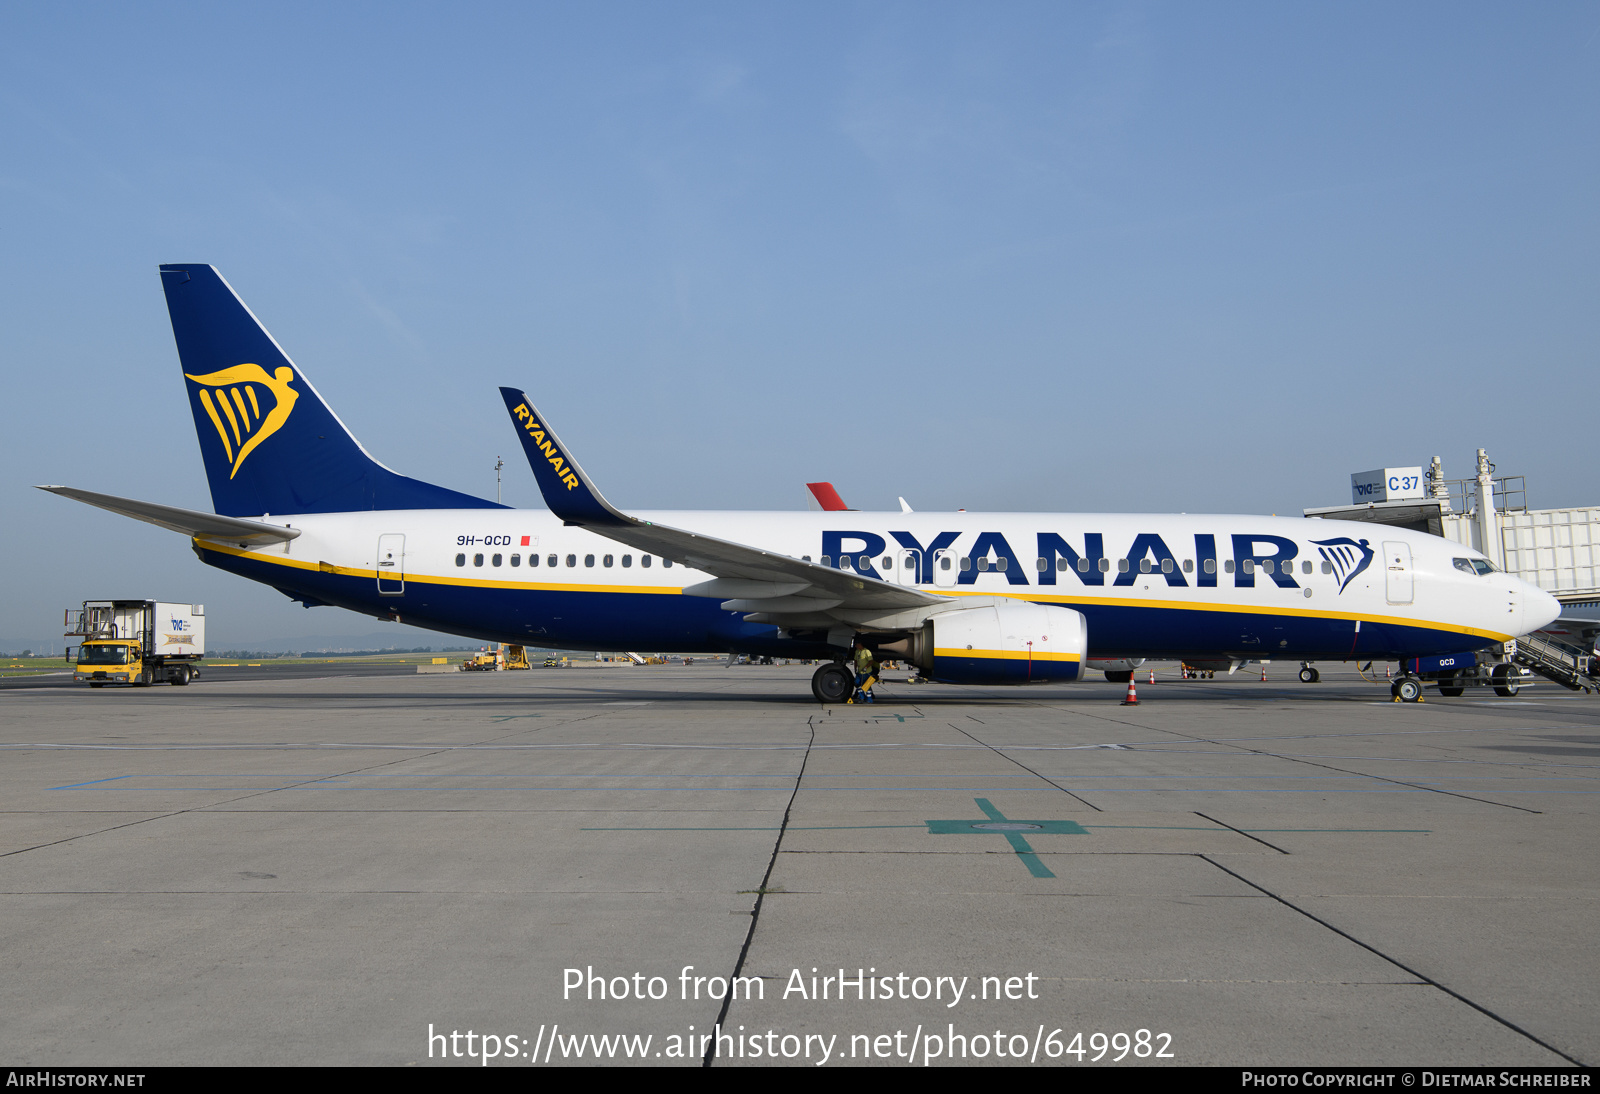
x: 1539, y: 608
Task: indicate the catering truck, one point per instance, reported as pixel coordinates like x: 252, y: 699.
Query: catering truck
x: 137, y: 642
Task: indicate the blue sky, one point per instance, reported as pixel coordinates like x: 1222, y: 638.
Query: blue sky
x: 1061, y: 257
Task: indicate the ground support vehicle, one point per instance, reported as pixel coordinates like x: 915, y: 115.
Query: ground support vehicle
x: 1454, y: 673
x: 502, y: 658
x: 137, y: 642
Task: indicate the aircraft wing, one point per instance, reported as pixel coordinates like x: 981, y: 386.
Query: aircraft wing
x: 190, y: 522
x: 748, y: 579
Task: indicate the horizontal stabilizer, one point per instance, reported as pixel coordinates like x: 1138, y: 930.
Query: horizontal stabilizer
x: 190, y: 522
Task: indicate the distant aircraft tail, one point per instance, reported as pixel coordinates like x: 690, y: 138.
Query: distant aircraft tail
x: 270, y: 444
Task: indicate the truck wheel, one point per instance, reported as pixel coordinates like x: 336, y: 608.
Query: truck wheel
x: 180, y: 676
x: 97, y: 685
x: 832, y: 683
x: 1408, y: 689
x: 1505, y: 685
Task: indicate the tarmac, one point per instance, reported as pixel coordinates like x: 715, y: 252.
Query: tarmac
x: 268, y: 869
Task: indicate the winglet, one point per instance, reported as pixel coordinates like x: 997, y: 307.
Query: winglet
x: 824, y: 497
x: 566, y: 489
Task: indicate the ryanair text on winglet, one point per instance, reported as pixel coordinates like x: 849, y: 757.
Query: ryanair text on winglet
x: 536, y: 431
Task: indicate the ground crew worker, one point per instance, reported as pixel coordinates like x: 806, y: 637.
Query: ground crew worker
x: 866, y: 674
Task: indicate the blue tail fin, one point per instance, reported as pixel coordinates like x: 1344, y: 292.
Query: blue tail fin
x: 270, y: 443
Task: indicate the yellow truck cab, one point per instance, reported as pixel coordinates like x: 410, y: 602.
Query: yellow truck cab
x: 109, y: 662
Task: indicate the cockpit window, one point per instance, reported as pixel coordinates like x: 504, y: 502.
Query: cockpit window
x: 1476, y: 566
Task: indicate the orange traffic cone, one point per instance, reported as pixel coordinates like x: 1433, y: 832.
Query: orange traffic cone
x: 1152, y: 676
x: 1263, y: 674
x: 1133, y: 696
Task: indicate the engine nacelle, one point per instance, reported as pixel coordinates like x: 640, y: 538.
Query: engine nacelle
x: 1007, y: 642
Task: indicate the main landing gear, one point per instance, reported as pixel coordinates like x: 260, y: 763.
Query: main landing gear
x: 832, y: 683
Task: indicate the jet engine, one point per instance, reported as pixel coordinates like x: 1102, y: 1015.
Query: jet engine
x: 1004, y: 642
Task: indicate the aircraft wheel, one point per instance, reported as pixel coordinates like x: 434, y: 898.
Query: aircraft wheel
x: 1120, y: 677
x: 1504, y: 685
x: 832, y: 683
x: 1309, y: 675
x: 1408, y: 689
x: 1450, y: 692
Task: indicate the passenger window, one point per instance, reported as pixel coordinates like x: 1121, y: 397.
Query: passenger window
x: 516, y: 560
x: 627, y: 561
x: 1327, y: 567
x: 644, y: 560
x: 1266, y: 566
x: 551, y: 561
x: 572, y: 560
x: 533, y: 560
x: 1105, y: 565
x: 1144, y: 565
x: 1249, y: 565
x: 1166, y: 565
x: 944, y: 562
x: 497, y: 559
x: 805, y: 558
x: 1227, y: 566
x: 966, y: 562
x: 844, y: 562
x: 1041, y: 564
x: 1188, y: 565
x: 461, y: 560
x: 1305, y: 566
x: 827, y: 561
x: 588, y: 560
x: 983, y: 563
x: 1000, y: 564
x: 607, y: 560
x: 666, y: 563
x: 1211, y: 566
x: 1083, y: 565
x: 477, y: 560
x: 888, y: 563
x: 864, y: 563
x: 1122, y: 566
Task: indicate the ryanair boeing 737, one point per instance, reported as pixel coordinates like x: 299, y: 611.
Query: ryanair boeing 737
x: 985, y: 598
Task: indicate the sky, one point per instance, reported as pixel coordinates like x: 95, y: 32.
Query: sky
x: 1062, y: 257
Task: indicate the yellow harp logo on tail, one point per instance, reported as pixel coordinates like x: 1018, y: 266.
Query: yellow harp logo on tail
x: 230, y: 396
